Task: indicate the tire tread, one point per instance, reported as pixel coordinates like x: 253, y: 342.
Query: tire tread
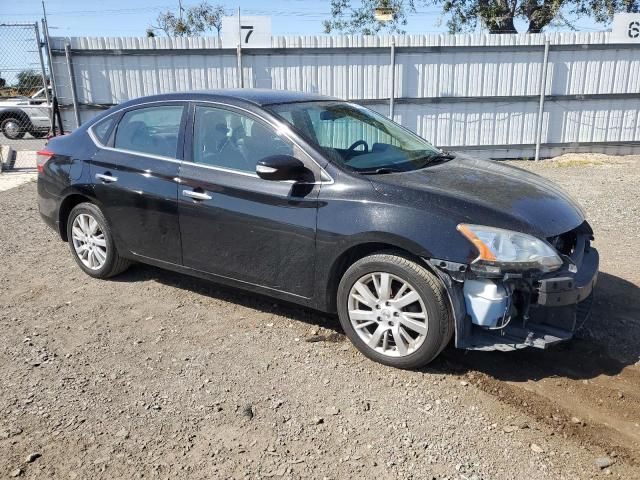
x: 435, y: 285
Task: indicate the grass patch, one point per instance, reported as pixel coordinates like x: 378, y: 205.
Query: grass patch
x: 575, y: 162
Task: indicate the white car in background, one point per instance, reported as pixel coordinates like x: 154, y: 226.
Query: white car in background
x: 20, y: 115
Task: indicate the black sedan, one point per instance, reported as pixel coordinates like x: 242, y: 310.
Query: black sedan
x: 327, y: 204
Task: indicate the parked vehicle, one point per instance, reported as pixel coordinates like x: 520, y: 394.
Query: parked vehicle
x: 327, y: 204
x: 19, y: 115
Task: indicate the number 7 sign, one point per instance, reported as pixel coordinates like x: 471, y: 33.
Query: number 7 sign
x: 255, y: 32
x: 249, y: 30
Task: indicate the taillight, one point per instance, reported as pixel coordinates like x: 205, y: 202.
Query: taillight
x: 42, y: 157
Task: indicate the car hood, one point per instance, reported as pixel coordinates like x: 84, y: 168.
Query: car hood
x: 488, y: 193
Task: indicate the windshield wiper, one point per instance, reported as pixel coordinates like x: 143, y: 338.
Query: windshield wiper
x: 427, y: 160
x: 379, y: 171
x: 440, y: 156
x: 437, y: 157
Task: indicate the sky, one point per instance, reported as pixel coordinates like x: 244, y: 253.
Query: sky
x: 132, y: 17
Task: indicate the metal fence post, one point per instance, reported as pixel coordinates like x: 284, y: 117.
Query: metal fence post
x: 392, y: 87
x: 239, y: 55
x: 42, y: 67
x: 44, y: 76
x: 543, y: 91
x: 72, y: 83
x: 47, y: 40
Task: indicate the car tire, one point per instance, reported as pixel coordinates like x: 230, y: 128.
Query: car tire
x: 91, y: 242
x: 416, y: 332
x: 12, y: 128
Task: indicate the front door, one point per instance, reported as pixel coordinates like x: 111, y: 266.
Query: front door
x: 135, y: 179
x: 233, y: 223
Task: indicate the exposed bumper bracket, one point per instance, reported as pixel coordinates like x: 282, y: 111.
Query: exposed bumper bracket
x: 559, y: 305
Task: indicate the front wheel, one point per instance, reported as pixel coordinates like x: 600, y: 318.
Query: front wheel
x: 394, y: 310
x: 92, y: 244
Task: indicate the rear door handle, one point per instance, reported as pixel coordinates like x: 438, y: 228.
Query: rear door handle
x: 106, y: 178
x: 196, y: 195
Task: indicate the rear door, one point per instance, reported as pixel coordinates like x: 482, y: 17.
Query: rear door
x: 233, y: 223
x: 136, y: 172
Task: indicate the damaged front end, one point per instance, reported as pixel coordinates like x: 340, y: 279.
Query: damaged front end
x: 503, y: 306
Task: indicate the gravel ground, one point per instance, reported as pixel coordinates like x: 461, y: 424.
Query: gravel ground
x: 27, y: 143
x: 154, y: 374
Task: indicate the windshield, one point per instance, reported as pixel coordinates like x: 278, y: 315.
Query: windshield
x: 356, y: 137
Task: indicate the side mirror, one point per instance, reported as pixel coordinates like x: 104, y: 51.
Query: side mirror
x: 282, y: 167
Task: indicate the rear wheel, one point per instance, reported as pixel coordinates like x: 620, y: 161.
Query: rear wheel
x: 394, y: 310
x: 92, y: 244
x: 12, y: 128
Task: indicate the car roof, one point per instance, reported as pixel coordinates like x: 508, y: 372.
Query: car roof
x: 258, y: 96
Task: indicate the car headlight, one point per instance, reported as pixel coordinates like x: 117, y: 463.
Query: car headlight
x: 504, y: 250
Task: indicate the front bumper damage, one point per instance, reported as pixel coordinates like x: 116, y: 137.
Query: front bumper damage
x: 543, y: 309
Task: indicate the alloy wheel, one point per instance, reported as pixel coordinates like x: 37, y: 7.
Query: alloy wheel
x: 388, y: 314
x: 89, y: 242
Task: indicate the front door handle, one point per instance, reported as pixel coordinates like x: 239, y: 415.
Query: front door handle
x: 106, y: 178
x: 196, y: 195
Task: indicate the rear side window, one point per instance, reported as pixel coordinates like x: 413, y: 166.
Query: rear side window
x: 152, y: 130
x: 102, y: 129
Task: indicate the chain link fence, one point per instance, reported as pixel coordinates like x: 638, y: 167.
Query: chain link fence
x: 25, y: 95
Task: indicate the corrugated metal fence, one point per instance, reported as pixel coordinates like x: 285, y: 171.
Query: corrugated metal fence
x: 462, y: 92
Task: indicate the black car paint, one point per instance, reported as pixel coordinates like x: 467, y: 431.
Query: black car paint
x: 510, y: 197
x: 284, y: 239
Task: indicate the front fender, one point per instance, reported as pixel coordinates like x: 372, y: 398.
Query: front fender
x: 345, y: 224
x: 424, y: 232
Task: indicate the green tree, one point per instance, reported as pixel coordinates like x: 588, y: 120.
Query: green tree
x: 497, y: 16
x: 361, y: 19
x: 28, y: 81
x: 190, y: 22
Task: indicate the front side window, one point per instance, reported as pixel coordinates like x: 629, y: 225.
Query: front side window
x: 356, y: 137
x: 226, y: 139
x: 151, y: 130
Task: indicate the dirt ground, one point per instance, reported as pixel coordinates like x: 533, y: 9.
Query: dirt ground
x: 158, y: 375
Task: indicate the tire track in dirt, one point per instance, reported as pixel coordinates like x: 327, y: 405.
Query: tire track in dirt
x: 576, y: 389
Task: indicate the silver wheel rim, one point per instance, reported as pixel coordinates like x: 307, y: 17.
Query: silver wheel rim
x: 88, y: 241
x: 388, y: 314
x: 12, y: 128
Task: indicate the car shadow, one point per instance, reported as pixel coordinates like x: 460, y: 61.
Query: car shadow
x: 587, y: 356
x: 256, y: 301
x: 606, y: 344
